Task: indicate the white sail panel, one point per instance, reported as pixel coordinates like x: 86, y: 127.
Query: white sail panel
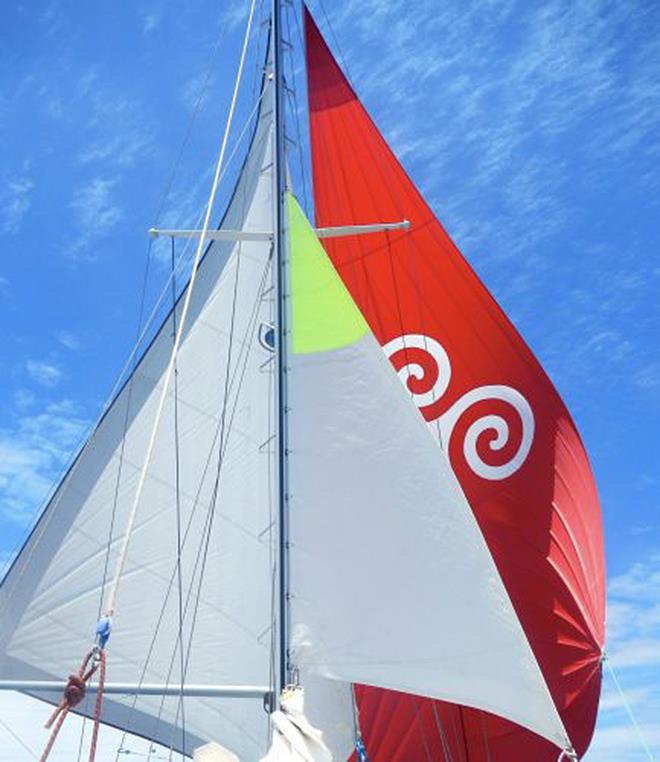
x: 50, y: 599
x: 392, y: 583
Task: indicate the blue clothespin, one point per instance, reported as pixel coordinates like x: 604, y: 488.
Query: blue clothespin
x: 361, y: 751
x: 103, y: 628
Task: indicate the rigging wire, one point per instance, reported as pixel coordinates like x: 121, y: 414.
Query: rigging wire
x: 17, y: 738
x: 172, y: 278
x: 335, y: 39
x: 177, y: 483
x: 214, y: 497
x: 294, y: 105
x: 418, y: 706
x: 237, y: 381
x: 205, y: 535
x: 444, y: 741
x: 627, y: 706
x: 197, y: 109
x: 123, y: 377
x: 110, y: 606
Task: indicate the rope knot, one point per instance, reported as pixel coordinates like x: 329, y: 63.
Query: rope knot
x: 74, y: 691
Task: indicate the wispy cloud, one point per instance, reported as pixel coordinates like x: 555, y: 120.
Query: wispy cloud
x: 15, y: 199
x: 44, y: 373
x: 97, y: 214
x: 69, y: 340
x: 32, y: 453
x: 149, y: 22
x: 120, y: 133
x: 633, y: 624
x: 195, y: 90
x: 234, y: 14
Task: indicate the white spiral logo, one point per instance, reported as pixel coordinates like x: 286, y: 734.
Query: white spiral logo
x: 440, y: 364
x: 412, y: 370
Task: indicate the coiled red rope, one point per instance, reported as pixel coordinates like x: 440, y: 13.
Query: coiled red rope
x: 74, y: 693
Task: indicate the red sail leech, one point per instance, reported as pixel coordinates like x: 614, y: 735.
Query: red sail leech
x: 510, y: 439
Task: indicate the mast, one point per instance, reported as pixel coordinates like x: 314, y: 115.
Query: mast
x: 279, y: 178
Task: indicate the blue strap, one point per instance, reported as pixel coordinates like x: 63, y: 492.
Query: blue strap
x: 361, y: 751
x: 103, y: 627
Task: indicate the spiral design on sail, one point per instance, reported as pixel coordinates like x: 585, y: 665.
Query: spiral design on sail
x: 424, y: 368
x: 422, y: 365
x: 497, y: 425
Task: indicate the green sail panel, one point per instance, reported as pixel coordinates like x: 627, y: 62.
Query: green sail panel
x: 323, y: 314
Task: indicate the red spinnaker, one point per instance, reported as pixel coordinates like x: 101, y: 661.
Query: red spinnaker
x: 535, y: 501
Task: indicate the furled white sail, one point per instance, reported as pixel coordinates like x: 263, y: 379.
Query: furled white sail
x: 295, y: 739
x: 50, y: 600
x: 392, y: 583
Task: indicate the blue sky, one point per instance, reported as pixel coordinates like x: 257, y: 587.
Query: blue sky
x: 532, y: 128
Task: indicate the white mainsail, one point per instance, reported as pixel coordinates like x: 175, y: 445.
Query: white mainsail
x: 50, y: 600
x: 392, y: 583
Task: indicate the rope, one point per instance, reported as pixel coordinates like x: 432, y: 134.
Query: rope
x: 177, y: 340
x: 606, y: 661
x: 74, y: 693
x: 98, y: 705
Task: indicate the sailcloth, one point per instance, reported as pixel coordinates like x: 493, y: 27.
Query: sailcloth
x: 50, y: 599
x: 392, y: 583
x: 505, y: 433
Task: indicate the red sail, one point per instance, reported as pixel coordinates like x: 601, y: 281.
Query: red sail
x: 509, y: 437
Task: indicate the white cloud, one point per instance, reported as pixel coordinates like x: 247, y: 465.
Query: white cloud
x: 633, y: 645
x: 640, y: 583
x: 117, y: 134
x: 648, y: 376
x: 195, y: 90
x: 43, y: 373
x: 234, y: 15
x: 619, y: 743
x: 96, y: 212
x: 122, y: 150
x: 69, y: 340
x: 15, y: 200
x: 33, y: 453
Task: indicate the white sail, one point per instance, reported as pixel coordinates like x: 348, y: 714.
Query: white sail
x: 50, y: 600
x: 295, y: 739
x: 392, y: 583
